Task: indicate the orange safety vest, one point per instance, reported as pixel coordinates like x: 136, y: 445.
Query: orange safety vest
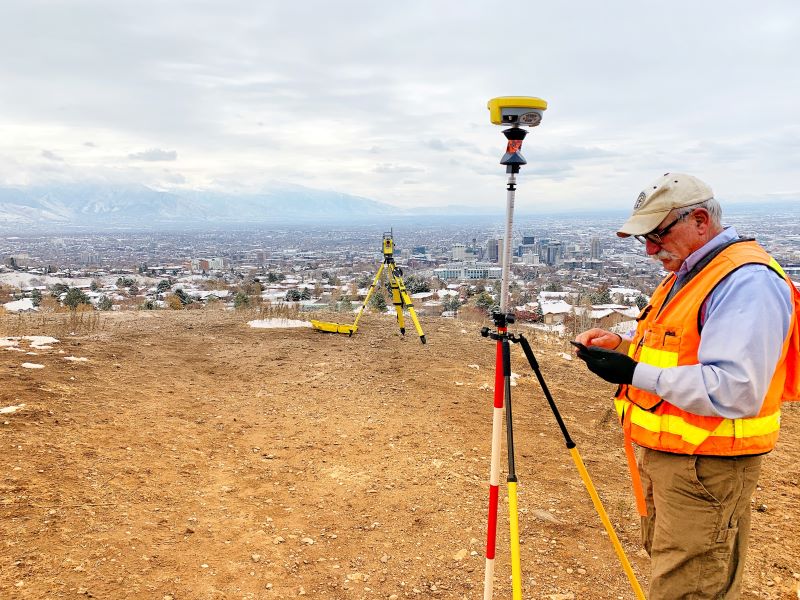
x: 668, y: 335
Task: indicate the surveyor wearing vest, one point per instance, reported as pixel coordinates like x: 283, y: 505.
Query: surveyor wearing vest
x: 701, y: 383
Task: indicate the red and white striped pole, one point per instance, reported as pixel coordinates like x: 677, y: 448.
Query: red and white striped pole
x: 494, y: 473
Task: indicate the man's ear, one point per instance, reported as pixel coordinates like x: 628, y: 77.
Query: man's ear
x: 701, y: 219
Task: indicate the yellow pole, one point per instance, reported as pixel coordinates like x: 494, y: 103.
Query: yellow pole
x: 598, y: 505
x: 513, y: 519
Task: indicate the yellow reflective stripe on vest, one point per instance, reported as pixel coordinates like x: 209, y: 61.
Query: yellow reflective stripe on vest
x: 676, y: 425
x: 746, y: 428
x: 673, y: 424
x: 777, y: 267
x: 658, y: 358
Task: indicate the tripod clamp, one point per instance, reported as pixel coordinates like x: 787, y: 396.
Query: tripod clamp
x: 501, y: 321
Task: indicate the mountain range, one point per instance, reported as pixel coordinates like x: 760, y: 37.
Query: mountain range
x: 137, y: 205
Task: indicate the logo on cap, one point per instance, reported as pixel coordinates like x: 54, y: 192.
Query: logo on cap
x: 639, y: 201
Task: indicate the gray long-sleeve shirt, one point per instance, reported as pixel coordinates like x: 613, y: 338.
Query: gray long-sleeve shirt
x: 747, y: 318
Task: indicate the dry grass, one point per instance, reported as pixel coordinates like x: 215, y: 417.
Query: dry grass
x: 269, y: 310
x: 56, y: 323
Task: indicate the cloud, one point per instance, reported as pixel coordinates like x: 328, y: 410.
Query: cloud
x: 249, y: 96
x: 395, y: 168
x: 51, y: 156
x: 154, y: 155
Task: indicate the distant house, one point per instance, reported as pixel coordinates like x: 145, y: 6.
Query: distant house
x: 209, y: 295
x: 555, y: 312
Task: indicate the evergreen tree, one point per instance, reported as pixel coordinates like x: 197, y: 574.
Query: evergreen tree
x: 75, y: 297
x: 183, y: 297
x: 104, y: 303
x: 345, y: 305
x: 416, y: 284
x: 601, y: 296
x: 453, y: 303
x: 484, y: 300
x: 293, y: 296
x: 58, y: 289
x: 554, y: 286
x: 378, y: 301
x: 241, y: 300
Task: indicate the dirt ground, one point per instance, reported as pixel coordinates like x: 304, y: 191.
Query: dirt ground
x: 194, y: 457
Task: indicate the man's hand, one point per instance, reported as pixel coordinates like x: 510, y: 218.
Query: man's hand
x: 614, y: 367
x: 599, y: 337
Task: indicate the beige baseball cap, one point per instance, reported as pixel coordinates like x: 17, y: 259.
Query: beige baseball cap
x: 671, y: 190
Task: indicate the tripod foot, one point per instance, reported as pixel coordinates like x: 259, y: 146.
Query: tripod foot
x: 422, y: 339
x: 402, y: 331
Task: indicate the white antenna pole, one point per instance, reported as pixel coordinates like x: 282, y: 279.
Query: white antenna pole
x: 506, y: 271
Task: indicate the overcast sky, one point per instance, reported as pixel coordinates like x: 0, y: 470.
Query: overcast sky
x: 388, y: 100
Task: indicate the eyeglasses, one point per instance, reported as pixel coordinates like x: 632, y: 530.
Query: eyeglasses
x: 657, y: 236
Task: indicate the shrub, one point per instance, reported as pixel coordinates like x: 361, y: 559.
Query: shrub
x: 241, y: 300
x: 174, y: 302
x: 104, y: 303
x: 75, y: 297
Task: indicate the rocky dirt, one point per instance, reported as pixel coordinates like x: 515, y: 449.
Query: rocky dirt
x: 194, y: 457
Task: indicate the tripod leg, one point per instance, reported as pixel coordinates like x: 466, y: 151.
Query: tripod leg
x: 406, y: 300
x: 397, y: 300
x: 369, y: 295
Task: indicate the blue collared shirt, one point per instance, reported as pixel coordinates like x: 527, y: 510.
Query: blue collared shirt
x: 746, y: 321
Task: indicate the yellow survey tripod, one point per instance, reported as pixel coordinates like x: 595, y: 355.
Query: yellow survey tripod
x: 400, y: 297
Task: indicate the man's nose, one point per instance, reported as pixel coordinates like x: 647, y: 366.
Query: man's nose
x: 651, y: 248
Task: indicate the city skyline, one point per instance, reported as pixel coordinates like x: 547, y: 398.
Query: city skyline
x: 389, y: 103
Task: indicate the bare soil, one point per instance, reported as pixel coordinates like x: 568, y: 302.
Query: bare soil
x: 195, y: 457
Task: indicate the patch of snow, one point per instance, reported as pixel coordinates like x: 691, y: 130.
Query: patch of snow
x: 278, y: 323
x: 11, y: 409
x: 76, y: 358
x: 24, y: 305
x: 565, y: 356
x: 15, y: 349
x: 40, y: 341
x: 32, y: 366
x: 474, y: 366
x: 37, y: 342
x: 22, y: 279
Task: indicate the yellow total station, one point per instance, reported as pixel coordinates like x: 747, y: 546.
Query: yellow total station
x: 400, y: 297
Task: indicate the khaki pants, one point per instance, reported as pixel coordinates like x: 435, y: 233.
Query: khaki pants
x: 698, y: 523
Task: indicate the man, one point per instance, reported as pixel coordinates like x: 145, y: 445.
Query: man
x: 701, y: 383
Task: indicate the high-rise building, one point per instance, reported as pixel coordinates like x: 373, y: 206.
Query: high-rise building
x: 493, y: 250
x: 596, y: 248
x: 459, y: 252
